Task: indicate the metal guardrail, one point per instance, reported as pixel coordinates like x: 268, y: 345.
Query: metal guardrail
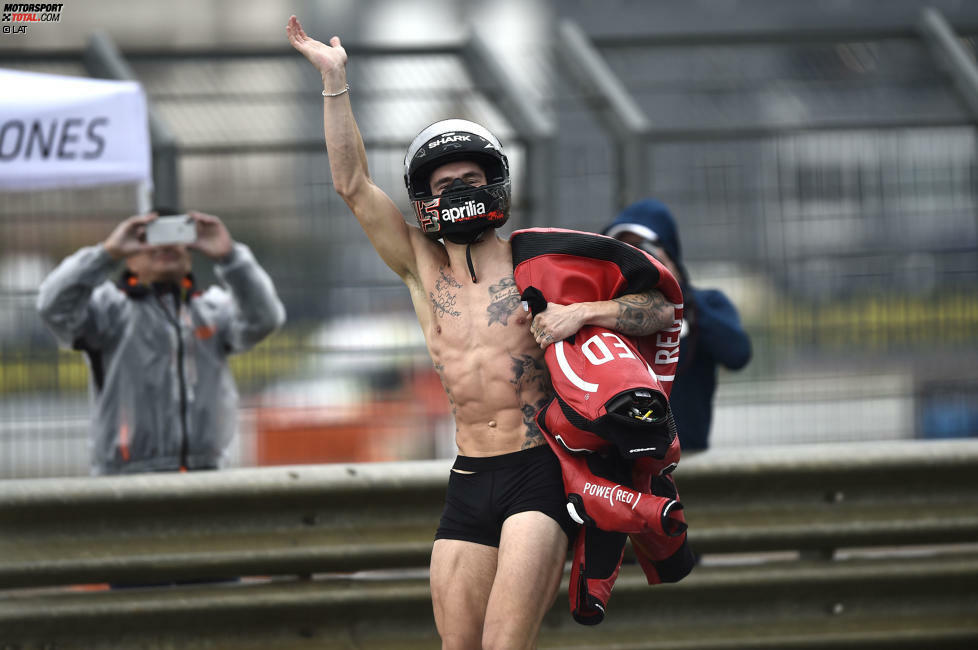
x: 875, y: 546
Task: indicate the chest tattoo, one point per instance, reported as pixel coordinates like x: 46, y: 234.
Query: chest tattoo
x: 443, y: 297
x: 504, y: 299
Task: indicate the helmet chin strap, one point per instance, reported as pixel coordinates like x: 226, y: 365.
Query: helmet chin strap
x: 468, y: 259
x: 468, y: 250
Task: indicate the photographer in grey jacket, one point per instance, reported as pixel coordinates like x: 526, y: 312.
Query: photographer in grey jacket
x: 157, y: 348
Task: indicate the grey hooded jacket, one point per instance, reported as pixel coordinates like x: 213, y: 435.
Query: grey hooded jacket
x: 164, y: 397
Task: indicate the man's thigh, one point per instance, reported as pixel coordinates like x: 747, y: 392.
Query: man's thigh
x: 461, y: 579
x: 532, y: 550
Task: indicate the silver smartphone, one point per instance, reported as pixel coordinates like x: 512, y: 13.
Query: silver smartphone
x: 176, y: 229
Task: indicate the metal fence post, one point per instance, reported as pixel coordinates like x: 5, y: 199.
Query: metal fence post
x: 951, y: 55
x: 103, y: 59
x: 529, y: 122
x: 614, y: 108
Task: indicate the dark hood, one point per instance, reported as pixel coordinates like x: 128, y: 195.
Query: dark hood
x: 650, y: 218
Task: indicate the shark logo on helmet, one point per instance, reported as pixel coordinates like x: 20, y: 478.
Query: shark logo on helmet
x: 447, y: 138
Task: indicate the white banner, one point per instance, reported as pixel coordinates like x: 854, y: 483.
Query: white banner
x: 58, y: 131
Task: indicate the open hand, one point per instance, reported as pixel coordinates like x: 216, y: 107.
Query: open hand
x: 328, y: 59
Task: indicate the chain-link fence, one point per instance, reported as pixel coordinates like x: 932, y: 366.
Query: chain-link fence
x: 827, y: 187
x: 348, y: 378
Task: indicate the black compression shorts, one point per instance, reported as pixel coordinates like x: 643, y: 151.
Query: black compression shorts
x: 477, y: 504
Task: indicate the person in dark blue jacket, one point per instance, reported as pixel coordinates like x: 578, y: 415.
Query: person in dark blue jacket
x: 712, y: 334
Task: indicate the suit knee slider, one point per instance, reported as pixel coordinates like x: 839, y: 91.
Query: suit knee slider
x: 673, y: 526
x: 575, y: 508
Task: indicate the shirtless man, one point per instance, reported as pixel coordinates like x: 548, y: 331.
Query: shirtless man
x: 500, y: 547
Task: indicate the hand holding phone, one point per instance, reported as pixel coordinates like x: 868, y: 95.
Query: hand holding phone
x: 176, y: 229
x: 213, y: 238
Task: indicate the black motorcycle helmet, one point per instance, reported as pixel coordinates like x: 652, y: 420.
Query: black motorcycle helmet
x: 462, y: 212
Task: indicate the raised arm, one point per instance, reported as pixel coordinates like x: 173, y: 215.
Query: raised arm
x: 637, y: 314
x: 64, y: 299
x: 373, y: 208
x: 253, y: 307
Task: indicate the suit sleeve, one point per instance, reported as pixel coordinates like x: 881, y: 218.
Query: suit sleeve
x: 720, y: 329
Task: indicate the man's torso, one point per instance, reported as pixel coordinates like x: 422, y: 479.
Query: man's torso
x: 479, y: 339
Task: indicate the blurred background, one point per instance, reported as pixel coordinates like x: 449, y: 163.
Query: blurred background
x: 820, y: 158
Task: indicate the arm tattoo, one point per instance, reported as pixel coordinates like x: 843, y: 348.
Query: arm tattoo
x: 641, y: 314
x: 504, y: 299
x: 444, y: 302
x: 530, y: 377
